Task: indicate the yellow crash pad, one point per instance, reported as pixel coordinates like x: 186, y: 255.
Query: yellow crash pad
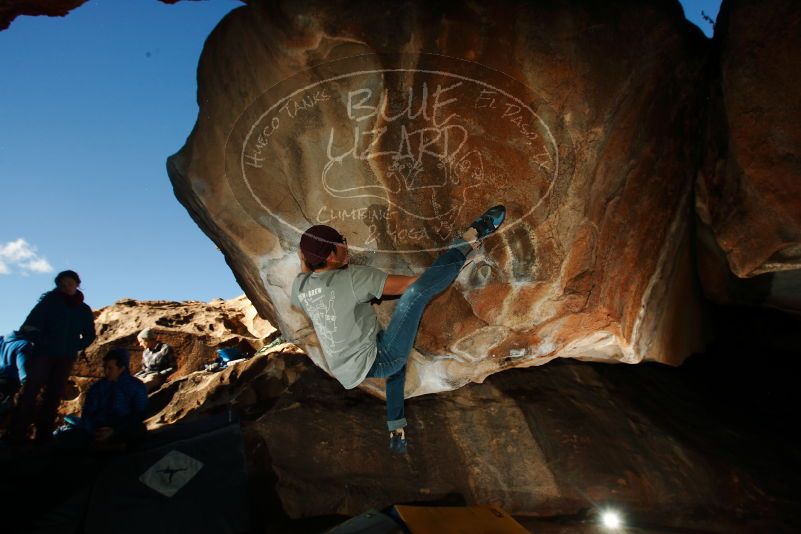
x: 484, y: 519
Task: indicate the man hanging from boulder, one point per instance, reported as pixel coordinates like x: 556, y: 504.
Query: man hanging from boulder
x: 337, y: 297
x: 157, y: 360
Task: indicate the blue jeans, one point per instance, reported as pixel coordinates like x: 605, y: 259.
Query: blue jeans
x: 396, y: 342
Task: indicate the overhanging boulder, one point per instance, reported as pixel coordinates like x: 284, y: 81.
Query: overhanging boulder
x: 398, y: 128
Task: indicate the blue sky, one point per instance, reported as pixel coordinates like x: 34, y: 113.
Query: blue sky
x: 91, y: 105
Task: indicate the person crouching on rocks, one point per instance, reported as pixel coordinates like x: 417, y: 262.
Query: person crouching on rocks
x: 337, y: 297
x: 157, y: 360
x: 113, y: 411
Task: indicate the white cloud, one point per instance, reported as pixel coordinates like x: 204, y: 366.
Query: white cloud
x: 22, y: 257
x: 16, y: 251
x: 39, y: 265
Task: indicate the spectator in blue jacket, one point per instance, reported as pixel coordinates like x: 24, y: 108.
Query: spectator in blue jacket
x: 61, y: 324
x: 15, y: 351
x: 113, y: 411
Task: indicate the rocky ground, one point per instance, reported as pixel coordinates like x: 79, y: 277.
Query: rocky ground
x: 194, y: 330
x: 705, y: 447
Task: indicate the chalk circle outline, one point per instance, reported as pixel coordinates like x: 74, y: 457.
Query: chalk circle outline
x: 553, y: 143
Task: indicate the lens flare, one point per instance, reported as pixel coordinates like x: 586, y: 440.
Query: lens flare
x: 611, y: 519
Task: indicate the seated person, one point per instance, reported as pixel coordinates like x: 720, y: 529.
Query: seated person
x: 113, y: 411
x: 15, y: 350
x: 157, y: 360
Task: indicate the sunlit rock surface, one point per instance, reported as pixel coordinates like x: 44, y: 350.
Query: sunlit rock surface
x: 400, y: 126
x: 247, y: 388
x: 193, y: 329
x: 749, y: 188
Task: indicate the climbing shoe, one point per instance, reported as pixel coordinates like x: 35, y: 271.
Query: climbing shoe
x: 397, y: 441
x: 489, y: 221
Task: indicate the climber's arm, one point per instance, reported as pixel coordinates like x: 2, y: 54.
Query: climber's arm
x: 396, y: 284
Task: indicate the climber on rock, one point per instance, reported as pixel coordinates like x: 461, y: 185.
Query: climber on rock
x: 337, y: 297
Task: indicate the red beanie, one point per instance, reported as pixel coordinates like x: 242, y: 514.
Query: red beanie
x: 318, y: 242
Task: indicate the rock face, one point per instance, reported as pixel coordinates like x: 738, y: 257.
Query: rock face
x: 11, y: 9
x: 247, y: 388
x: 676, y: 449
x: 555, y: 441
x: 749, y: 188
x: 193, y: 329
x: 399, y: 127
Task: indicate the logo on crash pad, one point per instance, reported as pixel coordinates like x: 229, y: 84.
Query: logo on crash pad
x: 403, y: 152
x: 171, y: 473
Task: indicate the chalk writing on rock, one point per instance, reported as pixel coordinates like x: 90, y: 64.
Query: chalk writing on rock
x: 402, y: 158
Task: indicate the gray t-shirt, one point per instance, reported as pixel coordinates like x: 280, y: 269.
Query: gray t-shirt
x: 338, y: 304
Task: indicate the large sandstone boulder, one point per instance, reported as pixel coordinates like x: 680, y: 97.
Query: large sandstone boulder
x: 398, y: 126
x: 749, y: 188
